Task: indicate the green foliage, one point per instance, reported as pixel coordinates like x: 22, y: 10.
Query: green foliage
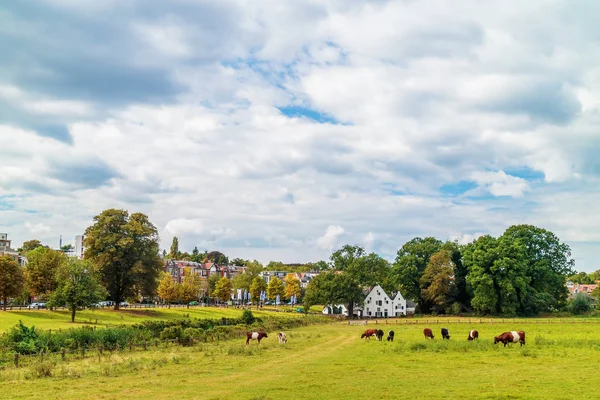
x: 223, y: 289
x: 41, y: 270
x: 174, y: 253
x: 247, y: 317
x: 12, y: 279
x: 333, y: 288
x: 275, y: 288
x: 78, y: 286
x: 437, y: 283
x: 258, y: 285
x: 581, y: 277
x: 124, y: 248
x: 30, y: 245
x: 580, y: 304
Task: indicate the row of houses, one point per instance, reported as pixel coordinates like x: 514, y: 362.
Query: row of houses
x: 7, y: 250
x: 576, y: 288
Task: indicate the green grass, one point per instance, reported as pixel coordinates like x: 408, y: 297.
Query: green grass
x: 46, y: 319
x: 332, y: 362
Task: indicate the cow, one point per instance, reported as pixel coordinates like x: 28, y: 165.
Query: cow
x: 473, y: 335
x: 282, y: 337
x: 379, y: 335
x: 427, y: 332
x: 368, y: 333
x: 511, y: 337
x: 445, y: 334
x: 255, y: 336
x: 390, y: 337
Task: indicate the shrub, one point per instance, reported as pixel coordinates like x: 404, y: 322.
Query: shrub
x: 580, y: 304
x: 247, y: 317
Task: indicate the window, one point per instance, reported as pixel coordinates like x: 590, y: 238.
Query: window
x: 378, y: 309
x: 369, y: 313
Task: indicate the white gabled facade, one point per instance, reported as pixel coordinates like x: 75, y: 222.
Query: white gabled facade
x: 379, y: 305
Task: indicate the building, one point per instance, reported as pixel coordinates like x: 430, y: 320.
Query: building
x: 79, y: 246
x: 268, y: 275
x: 378, y: 304
x: 576, y: 288
x: 6, y: 249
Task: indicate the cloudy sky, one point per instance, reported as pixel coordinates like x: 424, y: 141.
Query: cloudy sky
x: 280, y: 130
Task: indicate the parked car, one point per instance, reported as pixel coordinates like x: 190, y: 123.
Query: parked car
x: 193, y: 303
x: 267, y: 303
x: 123, y: 304
x: 36, y: 306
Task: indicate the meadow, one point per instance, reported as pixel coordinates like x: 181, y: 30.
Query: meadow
x: 61, y: 319
x: 331, y: 361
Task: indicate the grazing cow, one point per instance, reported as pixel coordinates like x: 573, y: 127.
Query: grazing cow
x: 282, y: 337
x: 445, y: 334
x: 379, y: 335
x: 368, y: 333
x: 427, y: 332
x: 255, y: 336
x: 390, y: 337
x: 511, y: 337
x: 473, y: 335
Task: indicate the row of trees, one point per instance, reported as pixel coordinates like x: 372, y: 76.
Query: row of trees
x: 522, y: 272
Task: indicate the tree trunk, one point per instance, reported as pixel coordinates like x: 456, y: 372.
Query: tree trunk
x: 188, y: 305
x: 4, y: 303
x: 169, y: 305
x: 73, y: 313
x: 116, y: 307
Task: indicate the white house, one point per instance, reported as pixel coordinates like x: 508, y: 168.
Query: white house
x: 379, y: 305
x: 341, y: 309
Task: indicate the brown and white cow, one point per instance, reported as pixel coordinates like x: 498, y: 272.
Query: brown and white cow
x: 282, y: 337
x: 511, y: 337
x: 473, y: 335
x: 255, y: 336
x: 428, y: 333
x: 368, y: 333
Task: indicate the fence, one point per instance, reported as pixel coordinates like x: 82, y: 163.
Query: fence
x: 419, y: 321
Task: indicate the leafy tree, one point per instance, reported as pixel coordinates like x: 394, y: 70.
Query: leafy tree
x: 191, y: 288
x: 66, y: 248
x: 174, y: 253
x: 196, y: 257
x: 167, y: 289
x: 596, y: 294
x: 12, y: 279
x: 30, y: 245
x: 78, y: 286
x: 275, y: 288
x: 238, y: 261
x: 581, y: 277
x: 595, y: 276
x: 437, y: 281
x: 124, y: 248
x: 217, y: 257
x: 320, y: 266
x: 330, y: 288
x: 461, y: 293
x: 580, y: 304
x: 257, y: 286
x: 41, y: 270
x: 292, y: 286
x: 275, y: 266
x: 223, y: 289
x: 411, y: 261
x: 242, y: 281
x: 212, y: 282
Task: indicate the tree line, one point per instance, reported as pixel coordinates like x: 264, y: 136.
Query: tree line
x: 522, y: 272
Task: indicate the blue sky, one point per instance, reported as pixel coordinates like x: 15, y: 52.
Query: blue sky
x: 280, y: 131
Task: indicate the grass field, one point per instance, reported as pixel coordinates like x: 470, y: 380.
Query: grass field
x: 46, y: 319
x: 559, y: 361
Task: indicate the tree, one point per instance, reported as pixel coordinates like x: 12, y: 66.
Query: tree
x: 320, y: 266
x: 275, y: 288
x: 212, y: 282
x: 437, y: 281
x: 30, y: 245
x: 581, y: 278
x: 78, y: 286
x: 41, y: 270
x: 330, y: 288
x: 167, y: 289
x: 195, y: 257
x: 257, y: 286
x: 292, y: 286
x: 12, y: 279
x: 191, y: 288
x: 242, y: 281
x: 174, y: 253
x: 66, y: 248
x: 580, y: 304
x: 238, y: 262
x: 223, y: 289
x: 124, y: 248
x: 217, y: 257
x: 411, y: 261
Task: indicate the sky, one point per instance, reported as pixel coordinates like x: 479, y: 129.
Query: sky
x: 280, y: 131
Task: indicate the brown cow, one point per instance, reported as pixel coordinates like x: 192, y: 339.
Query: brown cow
x: 511, y: 337
x: 368, y: 333
x: 255, y: 336
x: 427, y: 332
x: 473, y: 335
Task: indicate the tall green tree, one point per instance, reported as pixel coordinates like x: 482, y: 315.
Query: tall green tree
x: 124, y: 248
x: 292, y: 286
x: 41, y: 271
x: 191, y: 288
x: 78, y: 286
x: 212, y: 282
x: 411, y: 261
x: 331, y: 288
x: 275, y: 288
x: 30, y: 245
x: 195, y: 257
x: 257, y: 286
x: 167, y: 289
x: 437, y: 281
x: 217, y: 257
x: 581, y: 277
x: 174, y: 253
x: 12, y: 279
x: 223, y: 289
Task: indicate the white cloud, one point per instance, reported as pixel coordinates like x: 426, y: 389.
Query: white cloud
x: 501, y: 184
x: 330, y: 239
x: 182, y: 226
x: 37, y: 228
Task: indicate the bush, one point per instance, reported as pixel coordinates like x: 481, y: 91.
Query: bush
x: 247, y: 317
x: 580, y: 304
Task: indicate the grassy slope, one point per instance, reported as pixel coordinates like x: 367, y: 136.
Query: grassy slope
x: 45, y: 319
x: 330, y: 362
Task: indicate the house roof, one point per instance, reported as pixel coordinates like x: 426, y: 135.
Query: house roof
x: 410, y: 304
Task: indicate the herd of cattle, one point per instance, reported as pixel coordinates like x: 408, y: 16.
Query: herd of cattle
x: 505, y: 338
